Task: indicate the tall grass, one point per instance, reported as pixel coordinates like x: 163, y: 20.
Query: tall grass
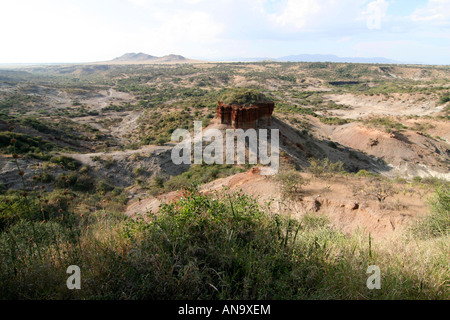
x: 213, y: 247
x: 438, y: 222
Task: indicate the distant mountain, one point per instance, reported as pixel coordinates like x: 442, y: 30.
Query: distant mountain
x: 333, y: 58
x: 135, y: 57
x: 256, y: 59
x: 130, y: 58
x: 315, y: 58
x: 172, y: 57
x: 142, y: 58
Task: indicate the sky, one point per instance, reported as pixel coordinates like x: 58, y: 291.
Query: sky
x: 56, y: 31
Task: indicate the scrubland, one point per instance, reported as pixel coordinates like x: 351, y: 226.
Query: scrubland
x: 86, y: 179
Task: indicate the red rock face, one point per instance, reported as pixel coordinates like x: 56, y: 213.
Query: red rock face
x: 245, y: 117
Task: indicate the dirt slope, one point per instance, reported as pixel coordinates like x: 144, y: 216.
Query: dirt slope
x: 347, y: 210
x: 397, y: 104
x: 123, y: 167
x: 409, y: 153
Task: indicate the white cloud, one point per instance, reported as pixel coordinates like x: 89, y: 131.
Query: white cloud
x: 344, y: 39
x: 47, y: 31
x: 194, y: 1
x: 93, y: 30
x: 297, y: 13
x: 185, y: 26
x: 148, y: 3
x: 316, y: 15
x: 52, y: 31
x: 141, y: 3
x: 436, y: 12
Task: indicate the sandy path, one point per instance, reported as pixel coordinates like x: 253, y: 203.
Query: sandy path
x: 86, y: 158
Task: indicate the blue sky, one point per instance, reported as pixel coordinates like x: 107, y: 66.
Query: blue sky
x: 98, y: 30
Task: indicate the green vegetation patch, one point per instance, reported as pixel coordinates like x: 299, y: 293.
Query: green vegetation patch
x: 12, y: 142
x: 438, y: 222
x: 67, y: 162
x: 325, y: 168
x: 444, y: 99
x: 386, y: 122
x: 203, y: 247
x: 199, y: 174
x: 243, y: 96
x: 333, y: 121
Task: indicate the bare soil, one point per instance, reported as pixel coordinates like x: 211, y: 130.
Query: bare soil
x: 334, y: 198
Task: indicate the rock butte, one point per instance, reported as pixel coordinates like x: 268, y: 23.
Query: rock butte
x: 259, y: 113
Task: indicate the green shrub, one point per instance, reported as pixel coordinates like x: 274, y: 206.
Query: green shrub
x: 103, y: 187
x: 364, y: 173
x: 444, y: 99
x: 139, y: 171
x: 325, y: 168
x: 292, y: 183
x: 78, y: 182
x: 67, y: 162
x: 333, y: 121
x: 243, y: 96
x: 15, y: 207
x: 84, y: 169
x: 379, y: 189
x: 108, y: 162
x: 417, y: 179
x: 161, y: 141
x: 438, y: 222
x: 332, y: 144
x: 24, y: 144
x: 45, y: 177
x: 158, y: 181
x: 219, y: 249
x: 199, y: 174
x: 386, y: 122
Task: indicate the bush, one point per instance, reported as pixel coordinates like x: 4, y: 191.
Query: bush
x: 444, y: 99
x: 219, y: 249
x: 109, y: 162
x: 333, y: 121
x: 158, y: 181
x: 67, y: 162
x: 77, y: 182
x: 199, y: 174
x: 364, y: 173
x: 438, y: 222
x: 201, y: 247
x: 325, y: 168
x: 103, y: 187
x: 15, y: 207
x: 24, y: 144
x: 379, y: 190
x: 389, y: 124
x: 292, y: 183
x: 332, y: 144
x: 45, y: 177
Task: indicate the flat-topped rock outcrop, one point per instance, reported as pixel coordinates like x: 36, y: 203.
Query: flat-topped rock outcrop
x: 244, y: 108
x: 245, y: 117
